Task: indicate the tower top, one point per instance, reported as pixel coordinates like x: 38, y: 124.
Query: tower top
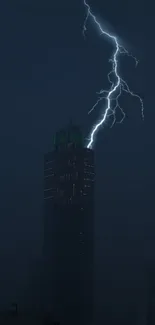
x: 68, y: 136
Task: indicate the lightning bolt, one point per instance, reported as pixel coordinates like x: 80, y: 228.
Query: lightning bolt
x: 114, y: 93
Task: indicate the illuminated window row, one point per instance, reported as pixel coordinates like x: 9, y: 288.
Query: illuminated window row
x: 48, y: 169
x: 87, y: 172
x: 48, y: 162
x: 49, y: 176
x: 86, y: 164
x: 88, y: 179
x: 48, y: 197
x: 48, y: 189
x: 69, y: 176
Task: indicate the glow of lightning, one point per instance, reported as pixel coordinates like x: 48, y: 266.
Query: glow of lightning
x: 117, y: 87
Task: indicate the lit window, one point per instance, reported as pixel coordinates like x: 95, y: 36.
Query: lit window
x: 68, y: 177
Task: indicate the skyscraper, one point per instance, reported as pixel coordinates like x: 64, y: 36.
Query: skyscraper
x: 68, y: 242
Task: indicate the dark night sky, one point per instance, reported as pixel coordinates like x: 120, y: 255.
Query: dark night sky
x: 49, y: 73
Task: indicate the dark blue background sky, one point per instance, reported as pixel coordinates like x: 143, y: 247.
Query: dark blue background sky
x: 49, y: 73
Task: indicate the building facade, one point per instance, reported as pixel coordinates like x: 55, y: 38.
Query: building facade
x: 69, y: 225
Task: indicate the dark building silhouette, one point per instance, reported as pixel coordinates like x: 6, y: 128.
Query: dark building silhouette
x: 68, y: 237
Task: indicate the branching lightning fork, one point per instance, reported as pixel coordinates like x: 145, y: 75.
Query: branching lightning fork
x: 117, y: 87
